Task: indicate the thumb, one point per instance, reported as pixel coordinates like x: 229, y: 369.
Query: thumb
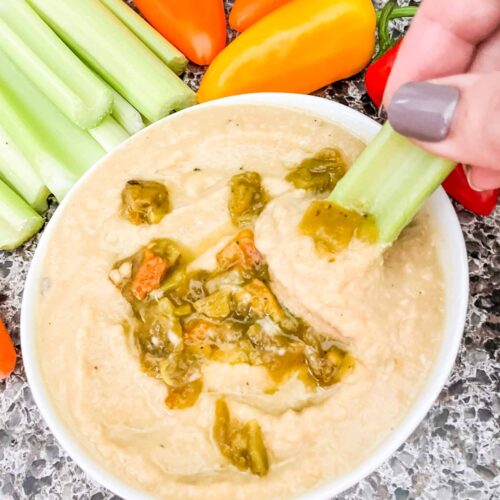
x: 481, y: 178
x: 457, y: 117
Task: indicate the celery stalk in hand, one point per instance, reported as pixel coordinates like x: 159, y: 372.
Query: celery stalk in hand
x: 390, y: 181
x: 51, y: 65
x: 18, y: 221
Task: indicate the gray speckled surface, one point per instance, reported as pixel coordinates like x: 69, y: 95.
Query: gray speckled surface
x: 453, y: 454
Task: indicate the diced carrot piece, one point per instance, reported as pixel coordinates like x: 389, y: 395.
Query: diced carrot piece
x: 241, y: 251
x: 196, y: 331
x: 149, y: 275
x: 7, y: 353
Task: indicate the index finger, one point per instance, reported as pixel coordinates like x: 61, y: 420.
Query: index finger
x: 442, y: 40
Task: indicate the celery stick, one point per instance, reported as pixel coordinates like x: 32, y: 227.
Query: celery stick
x: 18, y: 221
x: 109, y: 48
x: 16, y: 171
x: 109, y: 134
x: 125, y: 114
x: 169, y: 54
x: 391, y: 180
x: 59, y: 150
x: 46, y: 60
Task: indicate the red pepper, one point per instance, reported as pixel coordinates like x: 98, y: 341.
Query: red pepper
x: 376, y: 77
x: 378, y: 72
x: 479, y: 202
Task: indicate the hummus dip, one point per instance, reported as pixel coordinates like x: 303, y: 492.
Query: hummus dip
x: 382, y: 305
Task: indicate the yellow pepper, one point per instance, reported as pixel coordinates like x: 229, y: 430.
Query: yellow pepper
x: 300, y: 47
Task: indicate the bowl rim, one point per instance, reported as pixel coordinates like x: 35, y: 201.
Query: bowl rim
x: 361, y: 126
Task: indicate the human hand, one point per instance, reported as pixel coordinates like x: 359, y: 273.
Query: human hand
x: 444, y: 89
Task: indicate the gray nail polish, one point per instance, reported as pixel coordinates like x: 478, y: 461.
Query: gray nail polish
x: 423, y: 110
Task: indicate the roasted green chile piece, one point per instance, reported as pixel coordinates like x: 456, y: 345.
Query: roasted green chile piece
x: 217, y: 305
x: 229, y: 279
x: 255, y: 299
x: 168, y: 249
x: 174, y: 280
x: 158, y: 332
x: 145, y: 202
x: 333, y: 227
x: 328, y: 368
x: 259, y: 338
x: 184, y: 310
x: 247, y: 198
x: 190, y: 288
x: 257, y: 452
x: 320, y: 173
x: 241, y: 443
x: 178, y: 368
x: 221, y: 428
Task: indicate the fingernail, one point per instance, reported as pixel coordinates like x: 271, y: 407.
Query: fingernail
x: 468, y: 175
x: 488, y: 178
x: 423, y: 110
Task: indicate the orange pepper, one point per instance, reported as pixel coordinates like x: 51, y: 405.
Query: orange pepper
x: 300, y: 47
x: 196, y: 27
x: 7, y: 353
x: 247, y: 12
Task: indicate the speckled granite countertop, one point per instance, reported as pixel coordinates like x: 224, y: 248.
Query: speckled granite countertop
x: 453, y: 454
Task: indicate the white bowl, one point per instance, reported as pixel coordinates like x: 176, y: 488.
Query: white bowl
x: 453, y: 260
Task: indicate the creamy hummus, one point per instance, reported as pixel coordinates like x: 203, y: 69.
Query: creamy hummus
x: 385, y: 306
